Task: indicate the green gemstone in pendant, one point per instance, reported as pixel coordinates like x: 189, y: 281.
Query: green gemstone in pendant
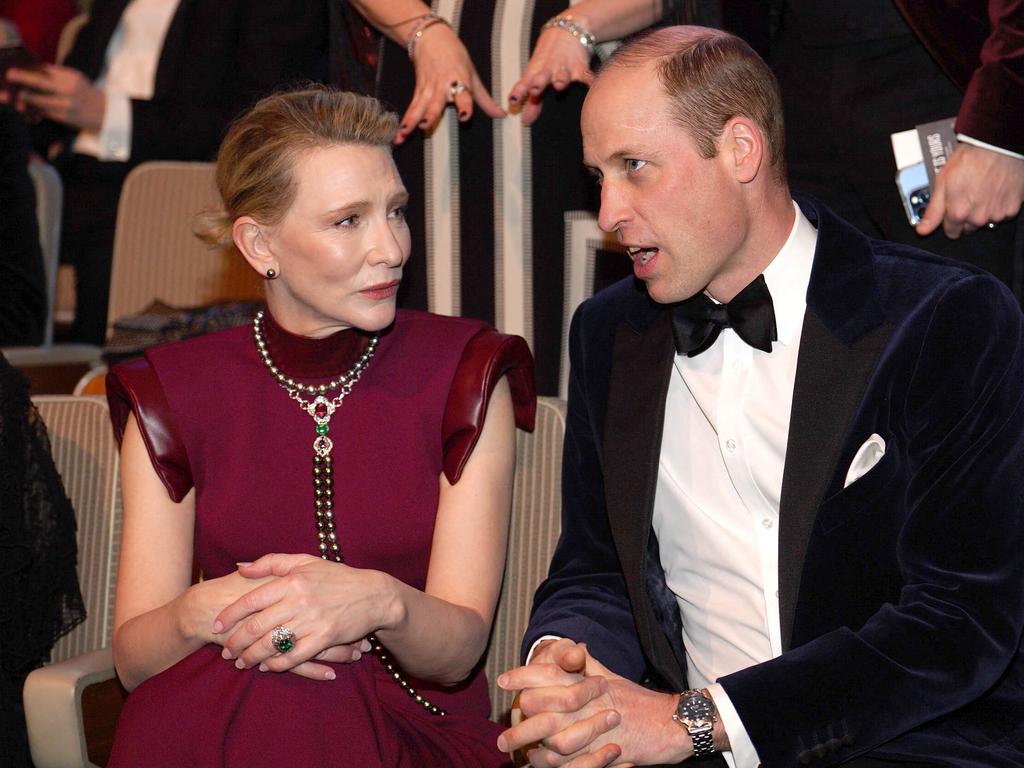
x: 322, y: 429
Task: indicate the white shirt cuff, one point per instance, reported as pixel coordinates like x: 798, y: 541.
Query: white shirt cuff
x: 968, y: 140
x: 115, y: 136
x: 742, y: 752
x: 537, y: 642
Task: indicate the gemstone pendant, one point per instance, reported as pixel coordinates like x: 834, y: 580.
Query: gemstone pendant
x: 322, y: 445
x: 321, y: 410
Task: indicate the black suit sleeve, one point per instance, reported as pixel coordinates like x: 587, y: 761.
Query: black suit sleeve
x: 267, y: 45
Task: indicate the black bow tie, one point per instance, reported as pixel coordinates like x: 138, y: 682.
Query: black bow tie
x: 697, y: 321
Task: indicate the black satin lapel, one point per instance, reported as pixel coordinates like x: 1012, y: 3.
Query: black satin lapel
x: 641, y: 366
x: 830, y: 382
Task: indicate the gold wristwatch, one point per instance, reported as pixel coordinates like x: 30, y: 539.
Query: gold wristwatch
x: 697, y: 714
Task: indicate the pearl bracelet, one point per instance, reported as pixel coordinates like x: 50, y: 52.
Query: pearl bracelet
x: 570, y: 25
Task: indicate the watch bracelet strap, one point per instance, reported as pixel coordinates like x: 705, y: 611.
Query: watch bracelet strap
x: 703, y: 743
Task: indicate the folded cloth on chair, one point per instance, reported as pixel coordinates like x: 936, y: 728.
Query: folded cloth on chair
x: 160, y: 323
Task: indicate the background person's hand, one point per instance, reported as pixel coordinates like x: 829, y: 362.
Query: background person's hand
x: 441, y: 61
x: 330, y: 607
x: 976, y: 187
x: 60, y: 93
x: 558, y: 60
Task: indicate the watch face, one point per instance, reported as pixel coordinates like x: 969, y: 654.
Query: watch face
x: 696, y: 709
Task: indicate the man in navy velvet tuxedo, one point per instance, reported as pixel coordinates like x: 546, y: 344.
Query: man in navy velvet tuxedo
x: 793, y: 487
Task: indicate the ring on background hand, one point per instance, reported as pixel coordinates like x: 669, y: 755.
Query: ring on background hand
x: 283, y: 639
x: 455, y: 89
x: 991, y: 225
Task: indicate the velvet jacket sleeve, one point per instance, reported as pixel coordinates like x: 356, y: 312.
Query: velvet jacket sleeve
x: 980, y: 45
x: 946, y: 508
x: 584, y: 596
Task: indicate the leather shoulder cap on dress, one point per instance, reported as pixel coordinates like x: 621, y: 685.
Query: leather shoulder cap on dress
x: 488, y: 356
x: 133, y: 387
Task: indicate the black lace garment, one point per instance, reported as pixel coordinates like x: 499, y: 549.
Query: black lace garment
x: 39, y: 595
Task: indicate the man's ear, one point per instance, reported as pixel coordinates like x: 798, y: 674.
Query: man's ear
x: 251, y: 240
x: 743, y: 144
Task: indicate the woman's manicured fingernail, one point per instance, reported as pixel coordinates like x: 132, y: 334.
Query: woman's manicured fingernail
x: 241, y: 564
x: 218, y: 627
x: 365, y: 646
x: 226, y: 654
x: 463, y: 115
x: 329, y: 674
x: 502, y: 680
x: 513, y: 99
x: 356, y: 655
x: 502, y: 744
x: 239, y: 664
x: 263, y: 667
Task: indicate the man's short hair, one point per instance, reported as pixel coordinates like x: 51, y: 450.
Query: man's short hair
x: 711, y: 76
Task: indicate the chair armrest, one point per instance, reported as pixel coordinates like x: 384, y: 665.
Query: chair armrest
x: 53, y: 708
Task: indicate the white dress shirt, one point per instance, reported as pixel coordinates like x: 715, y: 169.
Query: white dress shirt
x: 716, y: 509
x: 129, y: 72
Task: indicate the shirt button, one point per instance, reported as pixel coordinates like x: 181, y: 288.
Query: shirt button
x: 767, y: 522
x: 730, y: 444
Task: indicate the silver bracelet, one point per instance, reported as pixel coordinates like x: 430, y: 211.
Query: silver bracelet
x: 427, y: 20
x: 568, y: 24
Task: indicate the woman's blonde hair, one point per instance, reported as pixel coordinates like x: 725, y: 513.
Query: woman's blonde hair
x: 256, y: 160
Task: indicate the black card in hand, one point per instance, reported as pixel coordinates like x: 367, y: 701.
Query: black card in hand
x: 18, y: 57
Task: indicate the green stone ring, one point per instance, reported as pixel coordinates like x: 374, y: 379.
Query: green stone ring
x: 283, y: 639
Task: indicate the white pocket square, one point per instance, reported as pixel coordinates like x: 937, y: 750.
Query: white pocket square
x: 867, y: 456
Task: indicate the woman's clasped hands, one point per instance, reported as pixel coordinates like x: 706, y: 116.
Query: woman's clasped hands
x: 329, y: 608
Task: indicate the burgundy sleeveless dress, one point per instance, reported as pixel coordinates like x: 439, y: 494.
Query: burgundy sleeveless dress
x: 212, y: 416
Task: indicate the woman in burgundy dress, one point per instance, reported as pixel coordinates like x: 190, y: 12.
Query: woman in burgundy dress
x: 340, y: 472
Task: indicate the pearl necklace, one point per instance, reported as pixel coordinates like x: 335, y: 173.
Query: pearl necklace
x: 320, y: 410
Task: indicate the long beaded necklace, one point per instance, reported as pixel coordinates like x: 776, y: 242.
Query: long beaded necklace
x: 320, y: 410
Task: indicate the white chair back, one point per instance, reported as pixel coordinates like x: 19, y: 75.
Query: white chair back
x: 85, y: 453
x: 156, y: 253
x: 535, y: 526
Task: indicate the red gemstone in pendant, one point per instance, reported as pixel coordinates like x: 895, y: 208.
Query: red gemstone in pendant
x: 320, y: 410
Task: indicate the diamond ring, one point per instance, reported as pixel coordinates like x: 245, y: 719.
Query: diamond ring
x: 455, y: 89
x: 283, y: 639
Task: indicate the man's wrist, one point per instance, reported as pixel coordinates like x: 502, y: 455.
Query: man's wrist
x: 697, y: 715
